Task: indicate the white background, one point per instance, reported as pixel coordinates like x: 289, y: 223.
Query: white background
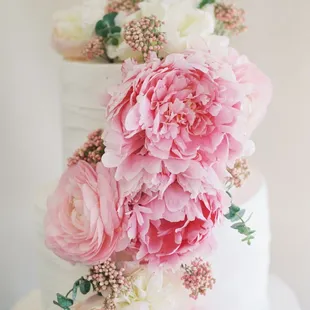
x: 278, y: 41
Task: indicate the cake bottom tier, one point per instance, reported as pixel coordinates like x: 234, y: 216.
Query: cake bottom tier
x: 280, y: 295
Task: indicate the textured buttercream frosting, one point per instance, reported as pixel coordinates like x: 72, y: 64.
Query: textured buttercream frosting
x: 83, y: 87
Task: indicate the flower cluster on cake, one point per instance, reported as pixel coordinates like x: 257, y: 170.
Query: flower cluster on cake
x: 140, y: 199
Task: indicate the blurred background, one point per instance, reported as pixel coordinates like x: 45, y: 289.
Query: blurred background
x: 278, y: 41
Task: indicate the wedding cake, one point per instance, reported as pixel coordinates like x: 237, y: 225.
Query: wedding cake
x: 157, y: 208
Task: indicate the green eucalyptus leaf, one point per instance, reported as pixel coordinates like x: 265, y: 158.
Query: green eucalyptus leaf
x: 235, y: 219
x: 244, y: 230
x: 99, y: 25
x: 238, y: 225
x: 241, y: 213
x: 85, y: 286
x: 203, y: 3
x: 233, y: 212
x: 103, y: 32
x: 116, y: 29
x: 109, y: 19
x: 228, y: 216
x: 113, y: 41
x: 235, y: 209
x: 63, y: 301
x: 75, y: 289
x: 248, y: 239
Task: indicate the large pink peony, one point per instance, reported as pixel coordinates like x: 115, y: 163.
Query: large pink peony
x: 84, y: 221
x: 170, y: 214
x: 187, y: 106
x: 259, y: 88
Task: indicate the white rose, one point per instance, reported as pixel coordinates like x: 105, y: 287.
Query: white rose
x: 155, y: 290
x: 74, y: 27
x: 183, y: 22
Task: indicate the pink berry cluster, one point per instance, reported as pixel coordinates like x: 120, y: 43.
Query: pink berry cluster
x: 128, y: 6
x: 110, y: 281
x: 91, y: 151
x: 197, y: 277
x: 94, y: 48
x: 239, y: 173
x: 145, y: 35
x: 231, y: 18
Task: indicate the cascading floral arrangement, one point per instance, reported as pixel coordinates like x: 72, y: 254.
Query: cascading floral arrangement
x: 140, y: 198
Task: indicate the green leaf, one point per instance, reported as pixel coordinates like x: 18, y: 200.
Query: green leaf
x: 115, y: 29
x: 241, y: 213
x: 233, y: 208
x: 244, y: 230
x: 103, y: 32
x: 233, y: 212
x: 109, y: 18
x: 85, y: 286
x: 99, y: 25
x: 113, y: 41
x: 63, y: 301
x: 235, y: 219
x: 203, y: 3
x: 236, y: 214
x: 238, y: 225
x: 248, y: 239
x: 75, y: 289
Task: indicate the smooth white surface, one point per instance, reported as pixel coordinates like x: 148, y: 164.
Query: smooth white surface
x: 241, y: 271
x: 83, y: 86
x: 277, y: 40
x: 281, y: 297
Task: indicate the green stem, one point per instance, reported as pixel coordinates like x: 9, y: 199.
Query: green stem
x: 69, y: 292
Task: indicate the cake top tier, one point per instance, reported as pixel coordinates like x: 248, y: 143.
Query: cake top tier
x: 115, y: 30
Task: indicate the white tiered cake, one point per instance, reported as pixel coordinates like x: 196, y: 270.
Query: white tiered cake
x: 147, y: 214
x: 241, y: 271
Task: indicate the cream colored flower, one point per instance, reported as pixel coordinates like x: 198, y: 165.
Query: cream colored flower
x: 74, y: 27
x: 183, y: 21
x: 151, y: 290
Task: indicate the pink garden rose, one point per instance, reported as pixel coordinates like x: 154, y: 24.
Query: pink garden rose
x: 84, y: 221
x: 187, y: 106
x: 259, y: 88
x: 171, y: 214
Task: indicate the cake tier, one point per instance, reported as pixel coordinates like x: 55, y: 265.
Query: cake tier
x: 82, y: 88
x: 280, y: 295
x: 241, y: 271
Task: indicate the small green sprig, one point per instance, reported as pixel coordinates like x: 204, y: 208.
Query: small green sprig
x: 64, y: 302
x: 203, y: 3
x: 235, y: 215
x: 107, y: 29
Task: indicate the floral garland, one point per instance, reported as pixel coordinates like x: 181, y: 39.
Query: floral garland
x: 110, y: 39
x: 147, y: 193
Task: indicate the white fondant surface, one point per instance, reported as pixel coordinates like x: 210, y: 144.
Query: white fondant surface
x: 241, y: 271
x: 82, y: 87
